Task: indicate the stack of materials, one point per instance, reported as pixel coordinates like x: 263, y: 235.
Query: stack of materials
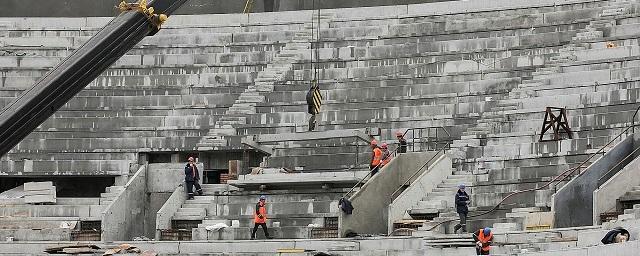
x: 40, y: 193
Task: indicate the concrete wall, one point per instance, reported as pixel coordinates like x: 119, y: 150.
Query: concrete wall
x: 87, y: 8
x: 166, y: 177
x: 573, y: 203
x: 124, y: 218
x: 155, y: 202
x: 427, y: 181
x: 604, y: 198
x: 45, y: 234
x: 628, y: 248
x: 163, y: 217
x: 366, y: 246
x: 371, y: 201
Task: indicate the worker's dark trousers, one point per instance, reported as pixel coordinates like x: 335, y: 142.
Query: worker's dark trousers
x: 462, y: 224
x: 264, y: 228
x: 374, y: 169
x: 190, y: 185
x: 479, y: 251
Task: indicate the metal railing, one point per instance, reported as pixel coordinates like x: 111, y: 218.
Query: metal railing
x: 407, y: 182
x: 361, y: 181
x: 556, y: 180
x: 428, y: 138
x: 425, y: 143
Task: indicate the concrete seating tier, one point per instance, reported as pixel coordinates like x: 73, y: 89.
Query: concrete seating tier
x: 73, y: 156
x: 106, y: 144
x: 204, y: 79
x: 223, y: 62
x: 449, y: 48
x: 46, y: 167
x: 52, y: 222
x: 559, y: 241
x: 291, y: 180
x: 291, y: 210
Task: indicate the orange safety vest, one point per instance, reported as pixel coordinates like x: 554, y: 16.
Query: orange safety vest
x: 377, y: 156
x: 484, y: 240
x: 262, y: 210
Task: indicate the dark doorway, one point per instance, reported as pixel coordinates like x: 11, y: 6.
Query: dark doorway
x: 65, y: 186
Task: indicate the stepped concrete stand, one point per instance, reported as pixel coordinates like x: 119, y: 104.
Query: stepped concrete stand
x: 371, y: 202
x: 573, y: 203
x: 40, y: 192
x: 26, y: 113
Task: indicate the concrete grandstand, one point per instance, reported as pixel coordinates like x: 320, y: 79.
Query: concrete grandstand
x: 466, y: 82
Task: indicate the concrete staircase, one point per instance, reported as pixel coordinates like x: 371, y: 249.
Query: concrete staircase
x: 201, y: 206
x: 279, y: 70
x: 291, y: 214
x: 110, y: 194
x: 441, y: 199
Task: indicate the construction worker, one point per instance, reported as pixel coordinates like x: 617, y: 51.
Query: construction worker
x: 376, y: 158
x: 402, y: 148
x: 260, y: 218
x: 191, y: 177
x: 483, y: 239
x: 617, y: 235
x: 386, y: 154
x: 462, y: 203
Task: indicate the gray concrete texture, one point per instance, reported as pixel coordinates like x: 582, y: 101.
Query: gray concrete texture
x: 75, y: 8
x: 427, y: 181
x: 124, y: 218
x: 170, y: 206
x: 371, y: 202
x: 573, y: 203
x: 367, y: 246
x: 143, y: 119
x: 615, y: 187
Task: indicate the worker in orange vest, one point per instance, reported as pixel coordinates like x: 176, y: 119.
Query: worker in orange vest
x: 386, y: 154
x: 483, y: 238
x: 260, y: 218
x: 376, y: 158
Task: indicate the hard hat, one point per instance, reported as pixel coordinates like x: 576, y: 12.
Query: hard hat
x: 374, y: 142
x: 461, y: 186
x: 486, y: 231
x: 263, y: 197
x: 384, y: 145
x: 163, y: 17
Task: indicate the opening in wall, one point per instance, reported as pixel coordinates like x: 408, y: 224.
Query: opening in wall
x: 83, y: 186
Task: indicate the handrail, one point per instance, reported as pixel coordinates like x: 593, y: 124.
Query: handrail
x: 395, y: 153
x: 413, y: 131
x: 368, y: 174
x: 418, y: 171
x: 619, y: 162
x: 557, y: 179
x: 633, y: 120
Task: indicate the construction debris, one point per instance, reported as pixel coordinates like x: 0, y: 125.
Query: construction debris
x: 123, y: 248
x: 72, y: 249
x: 149, y: 253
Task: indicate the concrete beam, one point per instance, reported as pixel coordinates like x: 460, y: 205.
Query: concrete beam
x: 250, y: 142
x: 320, y: 135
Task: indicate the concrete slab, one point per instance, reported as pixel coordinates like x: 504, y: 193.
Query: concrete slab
x: 29, y: 186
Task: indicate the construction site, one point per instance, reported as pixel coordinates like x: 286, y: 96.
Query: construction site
x: 277, y: 109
